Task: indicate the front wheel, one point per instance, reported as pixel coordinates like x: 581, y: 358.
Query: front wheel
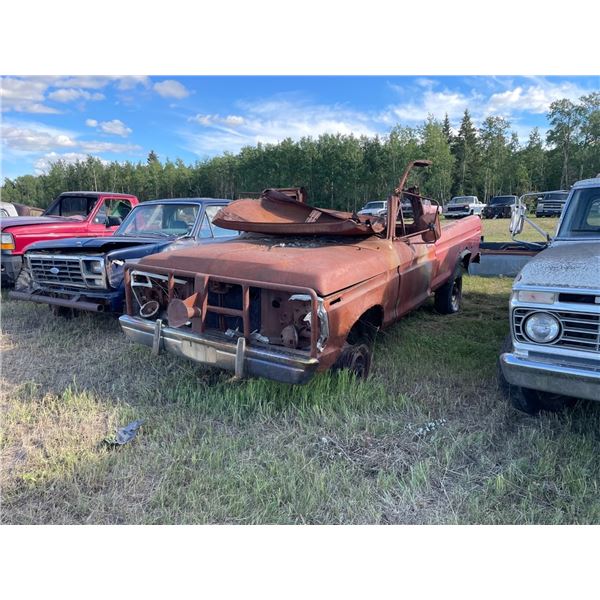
x: 356, y: 358
x: 448, y: 298
x: 525, y: 399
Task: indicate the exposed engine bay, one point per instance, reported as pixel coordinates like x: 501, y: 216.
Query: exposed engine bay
x: 274, y: 317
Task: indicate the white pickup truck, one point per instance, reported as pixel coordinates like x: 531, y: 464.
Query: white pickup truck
x: 463, y: 206
x: 553, y: 351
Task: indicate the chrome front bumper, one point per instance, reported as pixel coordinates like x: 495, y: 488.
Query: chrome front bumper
x: 577, y: 382
x: 238, y: 357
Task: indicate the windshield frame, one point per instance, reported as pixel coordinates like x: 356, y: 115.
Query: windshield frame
x: 161, y: 233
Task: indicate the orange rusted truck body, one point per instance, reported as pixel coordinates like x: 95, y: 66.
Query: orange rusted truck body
x: 306, y: 296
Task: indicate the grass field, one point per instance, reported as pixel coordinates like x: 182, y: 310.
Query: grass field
x: 496, y: 230
x: 427, y: 439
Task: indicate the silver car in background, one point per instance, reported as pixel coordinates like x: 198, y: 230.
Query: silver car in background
x: 463, y: 206
x: 376, y: 208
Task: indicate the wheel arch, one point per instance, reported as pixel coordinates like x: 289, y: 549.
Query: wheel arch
x: 368, y: 323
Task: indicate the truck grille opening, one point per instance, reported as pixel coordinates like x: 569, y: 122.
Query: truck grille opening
x: 579, y: 331
x: 56, y: 270
x: 274, y: 317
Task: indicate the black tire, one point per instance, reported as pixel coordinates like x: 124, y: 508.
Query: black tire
x: 63, y: 311
x: 525, y: 399
x: 357, y: 353
x: 448, y: 298
x: 24, y: 281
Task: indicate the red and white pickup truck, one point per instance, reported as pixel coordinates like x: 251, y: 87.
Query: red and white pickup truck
x: 303, y: 290
x: 72, y: 214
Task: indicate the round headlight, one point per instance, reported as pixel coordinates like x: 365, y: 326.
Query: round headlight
x: 542, y: 327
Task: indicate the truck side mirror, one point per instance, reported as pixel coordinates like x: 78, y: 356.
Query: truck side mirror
x: 517, y: 218
x: 113, y: 221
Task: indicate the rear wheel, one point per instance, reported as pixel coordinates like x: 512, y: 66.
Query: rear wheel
x: 448, y: 298
x: 525, y: 399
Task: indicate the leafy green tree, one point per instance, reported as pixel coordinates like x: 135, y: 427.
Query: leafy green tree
x: 565, y: 119
x: 435, y: 147
x: 467, y: 155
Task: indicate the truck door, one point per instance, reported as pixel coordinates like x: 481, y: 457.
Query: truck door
x: 416, y: 260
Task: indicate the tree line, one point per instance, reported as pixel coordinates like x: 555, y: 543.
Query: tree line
x: 345, y: 171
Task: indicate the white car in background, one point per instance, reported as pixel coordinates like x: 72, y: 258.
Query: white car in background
x: 376, y: 208
x: 7, y: 209
x: 463, y: 206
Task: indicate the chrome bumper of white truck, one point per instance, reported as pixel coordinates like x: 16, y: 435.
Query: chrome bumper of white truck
x: 577, y: 382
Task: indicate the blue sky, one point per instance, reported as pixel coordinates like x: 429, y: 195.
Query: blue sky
x: 123, y: 118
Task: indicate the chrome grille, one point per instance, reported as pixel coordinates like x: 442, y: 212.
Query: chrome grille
x: 44, y: 270
x: 580, y: 331
x: 553, y: 205
x: 65, y: 270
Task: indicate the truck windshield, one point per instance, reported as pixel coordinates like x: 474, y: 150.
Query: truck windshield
x: 375, y: 205
x: 556, y: 196
x: 582, y: 219
x: 169, y: 219
x: 72, y: 206
x: 503, y: 200
x: 461, y: 200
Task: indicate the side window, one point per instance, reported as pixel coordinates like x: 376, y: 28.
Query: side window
x: 593, y: 216
x: 115, y: 209
x: 209, y: 214
x: 205, y: 229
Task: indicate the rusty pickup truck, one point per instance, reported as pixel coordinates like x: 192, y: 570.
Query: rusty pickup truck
x: 303, y: 289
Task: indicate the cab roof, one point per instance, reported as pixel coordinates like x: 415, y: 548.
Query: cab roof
x: 593, y: 182
x: 89, y: 193
x: 194, y: 200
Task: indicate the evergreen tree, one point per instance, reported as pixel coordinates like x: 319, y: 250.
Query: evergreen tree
x: 467, y: 155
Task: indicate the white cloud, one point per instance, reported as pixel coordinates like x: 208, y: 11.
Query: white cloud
x: 114, y: 127
x: 33, y: 138
x: 272, y: 121
x: 28, y: 94
x: 169, y: 88
x: 85, y: 81
x: 36, y: 138
x: 95, y: 146
x: 71, y: 94
x: 534, y: 98
x: 231, y: 120
x: 132, y: 81
x: 432, y: 103
x: 23, y: 95
x: 481, y: 100
x: 43, y: 164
